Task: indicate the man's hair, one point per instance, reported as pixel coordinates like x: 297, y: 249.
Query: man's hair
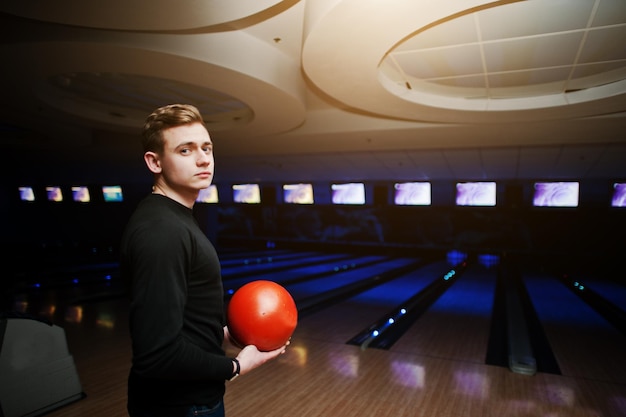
x: 163, y: 118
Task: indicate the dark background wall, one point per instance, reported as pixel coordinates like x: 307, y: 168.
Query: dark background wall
x: 41, y: 235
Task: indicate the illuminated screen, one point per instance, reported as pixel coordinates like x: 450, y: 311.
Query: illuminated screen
x: 619, y: 195
x: 298, y: 193
x: 246, y: 193
x: 555, y: 194
x: 112, y: 193
x: 80, y: 194
x: 412, y: 194
x: 54, y: 194
x: 350, y: 193
x: 27, y: 194
x: 208, y: 195
x: 476, y: 194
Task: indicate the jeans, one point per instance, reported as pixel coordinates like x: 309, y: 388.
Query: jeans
x: 193, y: 411
x: 202, y: 410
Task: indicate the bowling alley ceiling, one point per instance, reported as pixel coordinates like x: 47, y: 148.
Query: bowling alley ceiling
x: 323, y: 89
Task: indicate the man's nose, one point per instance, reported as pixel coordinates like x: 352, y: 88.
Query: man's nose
x: 204, y: 159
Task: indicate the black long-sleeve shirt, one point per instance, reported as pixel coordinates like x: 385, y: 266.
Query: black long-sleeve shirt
x: 176, y: 310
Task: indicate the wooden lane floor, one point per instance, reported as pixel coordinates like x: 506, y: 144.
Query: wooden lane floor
x: 317, y: 378
x: 584, y: 343
x: 321, y: 375
x: 457, y: 325
x: 340, y: 322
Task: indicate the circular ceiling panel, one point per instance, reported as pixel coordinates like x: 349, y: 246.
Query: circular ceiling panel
x: 457, y: 61
x: 527, y: 52
x: 117, y: 86
x: 123, y: 97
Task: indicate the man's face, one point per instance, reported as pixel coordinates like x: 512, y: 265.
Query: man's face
x: 187, y: 163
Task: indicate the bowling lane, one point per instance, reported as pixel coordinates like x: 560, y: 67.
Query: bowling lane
x: 332, y: 265
x: 226, y: 256
x: 309, y: 288
x: 610, y: 290
x: 248, y: 259
x: 259, y: 268
x: 583, y: 342
x: 343, y: 321
x: 457, y: 325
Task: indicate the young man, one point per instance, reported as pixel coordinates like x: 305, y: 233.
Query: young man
x: 177, y: 321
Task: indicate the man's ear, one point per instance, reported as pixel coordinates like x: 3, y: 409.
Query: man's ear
x: 152, y: 162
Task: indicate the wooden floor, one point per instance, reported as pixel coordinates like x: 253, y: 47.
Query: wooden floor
x: 322, y: 376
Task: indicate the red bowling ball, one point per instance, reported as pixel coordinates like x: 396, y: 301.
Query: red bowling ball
x: 262, y: 313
